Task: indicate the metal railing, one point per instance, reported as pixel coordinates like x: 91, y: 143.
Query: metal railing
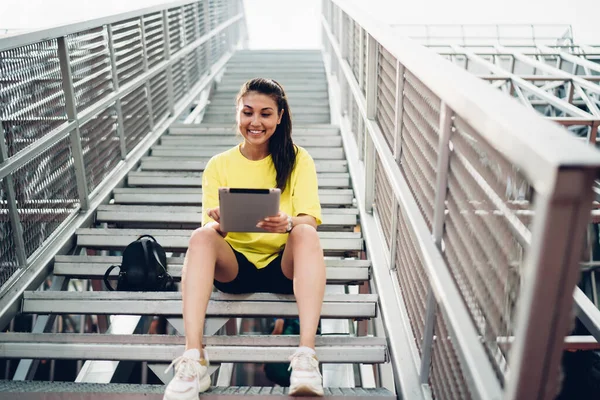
x: 473, y: 209
x: 80, y: 104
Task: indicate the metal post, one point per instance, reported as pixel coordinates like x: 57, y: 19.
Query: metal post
x: 67, y: 84
x: 437, y: 231
x: 550, y: 273
x: 399, y: 109
x: 115, y: 79
x: 394, y: 237
x: 370, y: 154
x: 371, y: 97
x: 145, y: 64
x: 167, y: 55
x: 371, y: 93
x: 13, y: 210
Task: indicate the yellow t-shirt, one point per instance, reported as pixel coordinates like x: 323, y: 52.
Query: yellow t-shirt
x: 232, y: 169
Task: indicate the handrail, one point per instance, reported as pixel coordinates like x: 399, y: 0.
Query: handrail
x: 428, y: 128
x: 536, y: 146
x: 23, y: 38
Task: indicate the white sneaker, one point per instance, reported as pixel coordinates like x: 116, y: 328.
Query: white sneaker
x: 191, y: 377
x: 306, y: 379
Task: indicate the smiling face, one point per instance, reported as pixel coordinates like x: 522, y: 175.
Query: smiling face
x: 257, y: 118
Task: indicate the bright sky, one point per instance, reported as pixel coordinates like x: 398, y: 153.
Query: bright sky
x: 295, y: 23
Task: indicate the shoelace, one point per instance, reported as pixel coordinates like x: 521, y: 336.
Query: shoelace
x: 185, y: 367
x: 304, y: 361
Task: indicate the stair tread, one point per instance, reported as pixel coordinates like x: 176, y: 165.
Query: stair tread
x: 90, y: 267
x: 72, y: 390
x: 169, y: 303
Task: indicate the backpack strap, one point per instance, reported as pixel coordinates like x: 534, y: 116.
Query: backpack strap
x: 107, y: 274
x: 148, y: 236
x: 145, y: 251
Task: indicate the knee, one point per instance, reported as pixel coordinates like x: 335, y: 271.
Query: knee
x: 304, y: 232
x: 201, y: 237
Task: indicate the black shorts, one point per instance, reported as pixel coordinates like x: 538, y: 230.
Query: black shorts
x: 250, y: 279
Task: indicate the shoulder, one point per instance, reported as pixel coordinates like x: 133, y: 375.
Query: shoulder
x: 224, y: 157
x: 302, y: 155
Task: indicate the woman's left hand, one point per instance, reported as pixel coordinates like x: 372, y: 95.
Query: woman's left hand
x: 275, y: 224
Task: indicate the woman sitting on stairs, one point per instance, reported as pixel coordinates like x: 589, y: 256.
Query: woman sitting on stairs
x: 288, y: 259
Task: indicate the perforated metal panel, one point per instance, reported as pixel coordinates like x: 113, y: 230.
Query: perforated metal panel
x: 383, y: 200
x: 420, y: 132
x: 411, y: 276
x: 176, y: 29
x: 446, y: 376
x: 386, y: 95
x: 154, y: 37
x: 101, y: 146
x: 90, y: 66
x: 481, y: 246
x: 128, y: 49
x: 158, y: 90
x: 135, y: 117
x: 8, y: 256
x: 32, y: 102
x: 46, y: 192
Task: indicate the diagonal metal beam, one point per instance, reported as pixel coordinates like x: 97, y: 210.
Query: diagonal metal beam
x: 549, y: 69
x: 517, y: 80
x: 571, y: 58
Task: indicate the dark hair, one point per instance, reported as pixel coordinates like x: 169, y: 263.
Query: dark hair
x: 281, y: 146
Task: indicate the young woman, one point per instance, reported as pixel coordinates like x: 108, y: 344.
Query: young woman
x: 287, y: 259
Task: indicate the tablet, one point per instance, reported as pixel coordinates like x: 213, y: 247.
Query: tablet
x: 242, y: 209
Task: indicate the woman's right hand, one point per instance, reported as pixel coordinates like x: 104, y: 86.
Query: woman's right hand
x: 214, y: 213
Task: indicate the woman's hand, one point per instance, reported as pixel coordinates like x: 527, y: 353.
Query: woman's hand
x: 214, y: 213
x: 275, y: 224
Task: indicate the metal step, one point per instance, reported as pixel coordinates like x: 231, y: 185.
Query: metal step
x: 222, y: 140
x: 40, y: 390
x: 177, y: 239
x: 360, y: 306
x: 193, y: 196
x: 193, y: 215
x: 155, y: 163
x: 230, y: 118
x: 338, y: 271
x: 194, y: 179
x: 208, y: 129
x: 321, y: 94
x: 164, y: 348
x: 317, y: 153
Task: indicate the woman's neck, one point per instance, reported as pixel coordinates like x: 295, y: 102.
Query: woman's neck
x: 254, y: 153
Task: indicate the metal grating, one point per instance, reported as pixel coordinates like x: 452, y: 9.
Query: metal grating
x: 32, y: 102
x: 154, y: 37
x: 355, y: 116
x: 189, y: 22
x: 101, y: 146
x: 386, y: 95
x: 180, y: 82
x: 135, y: 117
x: 364, y: 61
x: 411, y: 276
x: 420, y: 130
x: 46, y: 193
x: 176, y: 29
x: 356, y: 32
x: 159, y: 96
x: 446, y: 377
x: 383, y: 201
x: 482, y: 248
x: 8, y: 256
x: 90, y: 66
x: 128, y: 49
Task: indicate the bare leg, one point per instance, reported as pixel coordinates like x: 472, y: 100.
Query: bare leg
x: 208, y: 257
x: 303, y: 262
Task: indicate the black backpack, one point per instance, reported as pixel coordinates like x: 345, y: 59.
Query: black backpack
x: 143, y: 269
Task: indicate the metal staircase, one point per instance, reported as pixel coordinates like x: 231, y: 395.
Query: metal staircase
x: 162, y: 197
x: 453, y: 216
